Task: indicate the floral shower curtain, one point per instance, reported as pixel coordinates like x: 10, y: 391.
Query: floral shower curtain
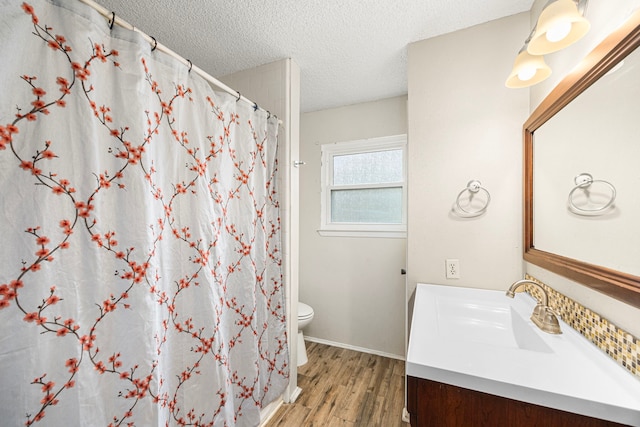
x: 140, y: 257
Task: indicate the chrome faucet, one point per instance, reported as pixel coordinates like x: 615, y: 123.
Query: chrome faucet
x: 543, y: 316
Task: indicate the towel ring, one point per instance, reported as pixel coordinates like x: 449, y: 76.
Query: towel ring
x: 584, y: 181
x: 473, y: 186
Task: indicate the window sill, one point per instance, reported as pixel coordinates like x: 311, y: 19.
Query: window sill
x: 364, y: 233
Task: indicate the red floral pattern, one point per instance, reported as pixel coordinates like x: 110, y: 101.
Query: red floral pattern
x: 140, y: 275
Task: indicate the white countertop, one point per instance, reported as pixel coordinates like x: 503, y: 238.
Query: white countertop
x: 482, y: 340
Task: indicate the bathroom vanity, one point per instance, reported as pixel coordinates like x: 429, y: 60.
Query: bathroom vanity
x: 476, y: 359
x: 434, y: 403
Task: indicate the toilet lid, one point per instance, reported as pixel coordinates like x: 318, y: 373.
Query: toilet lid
x: 304, y: 310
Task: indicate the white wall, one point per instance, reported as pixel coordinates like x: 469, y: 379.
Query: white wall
x: 276, y: 88
x: 465, y: 124
x: 353, y: 284
x: 604, y: 16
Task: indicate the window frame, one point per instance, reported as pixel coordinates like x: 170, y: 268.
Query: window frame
x: 361, y: 146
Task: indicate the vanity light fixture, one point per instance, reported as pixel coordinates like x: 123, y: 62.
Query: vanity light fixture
x: 527, y: 70
x: 560, y: 24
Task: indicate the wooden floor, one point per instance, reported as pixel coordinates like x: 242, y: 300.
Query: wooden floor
x: 345, y: 388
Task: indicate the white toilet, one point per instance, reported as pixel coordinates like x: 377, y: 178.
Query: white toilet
x: 305, y: 316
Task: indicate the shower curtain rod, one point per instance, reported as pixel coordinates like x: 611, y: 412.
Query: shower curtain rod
x: 121, y: 22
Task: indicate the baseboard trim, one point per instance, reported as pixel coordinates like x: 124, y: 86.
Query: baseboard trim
x: 406, y: 418
x: 295, y: 394
x: 353, y: 347
x: 269, y: 411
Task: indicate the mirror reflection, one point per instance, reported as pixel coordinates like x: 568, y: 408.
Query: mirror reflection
x: 596, y: 135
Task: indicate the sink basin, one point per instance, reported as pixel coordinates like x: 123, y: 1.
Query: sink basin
x: 486, y: 323
x: 482, y: 340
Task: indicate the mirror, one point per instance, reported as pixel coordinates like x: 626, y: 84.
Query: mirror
x: 586, y: 129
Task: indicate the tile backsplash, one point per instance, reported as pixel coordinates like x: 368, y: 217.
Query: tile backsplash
x: 620, y: 345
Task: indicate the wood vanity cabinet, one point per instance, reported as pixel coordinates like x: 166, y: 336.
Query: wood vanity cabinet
x: 434, y: 404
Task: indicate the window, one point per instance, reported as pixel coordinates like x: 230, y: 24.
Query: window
x: 364, y: 188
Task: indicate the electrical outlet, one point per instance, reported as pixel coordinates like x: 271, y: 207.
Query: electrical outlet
x: 453, y: 268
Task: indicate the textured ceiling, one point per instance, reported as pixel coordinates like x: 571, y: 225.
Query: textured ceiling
x: 349, y: 51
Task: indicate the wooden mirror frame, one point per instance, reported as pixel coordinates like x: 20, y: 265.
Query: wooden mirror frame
x: 622, y: 286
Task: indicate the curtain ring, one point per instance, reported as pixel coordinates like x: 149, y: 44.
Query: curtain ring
x: 113, y: 20
x: 190, y: 65
x: 155, y: 43
x: 255, y: 106
x: 239, y: 96
x: 268, y: 114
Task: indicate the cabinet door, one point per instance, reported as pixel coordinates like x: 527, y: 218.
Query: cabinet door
x: 434, y: 404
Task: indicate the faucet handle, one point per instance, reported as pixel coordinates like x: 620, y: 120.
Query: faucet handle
x: 553, y: 311
x: 550, y: 322
x: 539, y: 311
